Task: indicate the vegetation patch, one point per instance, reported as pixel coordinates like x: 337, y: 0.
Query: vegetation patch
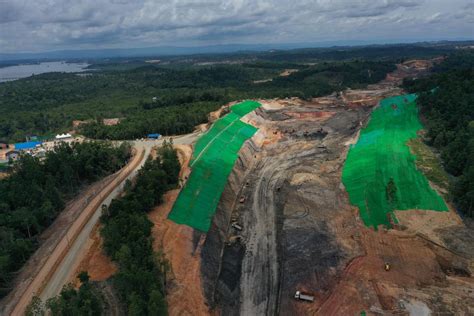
x: 446, y: 101
x: 429, y: 164
x: 3, y: 166
x: 140, y: 281
x: 380, y: 173
x: 86, y: 300
x: 163, y: 99
x: 36, y: 191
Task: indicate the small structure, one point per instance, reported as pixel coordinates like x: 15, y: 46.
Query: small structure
x: 77, y: 123
x: 236, y: 226
x: 111, y: 121
x: 40, y: 153
x: 153, y: 136
x: 153, y: 61
x: 4, y: 146
x: 387, y: 266
x: 32, y: 138
x: 154, y: 99
x: 304, y: 296
x: 27, y: 145
x: 13, y: 155
x: 63, y: 136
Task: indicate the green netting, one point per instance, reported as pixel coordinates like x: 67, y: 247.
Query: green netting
x: 244, y: 107
x: 382, y: 153
x: 213, y: 159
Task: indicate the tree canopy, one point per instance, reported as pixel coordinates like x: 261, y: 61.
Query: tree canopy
x: 127, y: 235
x: 36, y: 191
x: 446, y: 102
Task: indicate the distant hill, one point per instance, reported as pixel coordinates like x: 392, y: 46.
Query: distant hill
x: 175, y: 50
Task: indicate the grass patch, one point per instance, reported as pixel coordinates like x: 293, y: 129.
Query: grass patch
x: 428, y: 163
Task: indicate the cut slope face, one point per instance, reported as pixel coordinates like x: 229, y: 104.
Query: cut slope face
x: 213, y: 159
x: 382, y: 154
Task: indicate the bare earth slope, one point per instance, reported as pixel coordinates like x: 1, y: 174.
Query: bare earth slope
x: 300, y: 232
x: 284, y: 223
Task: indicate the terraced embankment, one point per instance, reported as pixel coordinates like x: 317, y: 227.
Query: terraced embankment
x: 214, y: 157
x: 296, y: 229
x: 381, y: 154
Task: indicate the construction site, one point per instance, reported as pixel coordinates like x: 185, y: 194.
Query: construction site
x: 283, y: 233
x: 285, y: 207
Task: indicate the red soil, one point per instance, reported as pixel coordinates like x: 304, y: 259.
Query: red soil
x: 185, y: 296
x: 175, y: 242
x: 364, y: 285
x: 321, y: 115
x: 99, y: 266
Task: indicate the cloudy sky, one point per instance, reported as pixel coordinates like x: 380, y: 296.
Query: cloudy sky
x: 43, y: 25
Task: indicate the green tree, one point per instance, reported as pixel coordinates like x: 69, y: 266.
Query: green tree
x: 35, y: 308
x: 391, y: 191
x: 157, y: 304
x: 83, y: 276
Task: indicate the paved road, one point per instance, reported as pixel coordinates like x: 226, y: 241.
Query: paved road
x: 61, y: 272
x: 64, y: 272
x: 78, y: 247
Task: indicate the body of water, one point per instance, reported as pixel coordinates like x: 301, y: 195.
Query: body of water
x: 22, y: 71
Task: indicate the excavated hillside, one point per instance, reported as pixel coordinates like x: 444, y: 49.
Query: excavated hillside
x: 284, y: 223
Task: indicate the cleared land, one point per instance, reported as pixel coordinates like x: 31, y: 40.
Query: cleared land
x: 298, y: 230
x: 213, y: 159
x: 382, y: 154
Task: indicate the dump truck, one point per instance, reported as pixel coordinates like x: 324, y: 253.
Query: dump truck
x: 304, y: 296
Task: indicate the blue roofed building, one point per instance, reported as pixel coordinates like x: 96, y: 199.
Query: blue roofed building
x: 154, y: 136
x: 27, y: 145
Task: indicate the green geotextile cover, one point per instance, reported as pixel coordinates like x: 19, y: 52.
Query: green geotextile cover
x: 213, y: 159
x: 382, y: 153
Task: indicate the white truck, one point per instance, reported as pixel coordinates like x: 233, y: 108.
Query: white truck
x: 304, y: 296
x: 236, y: 226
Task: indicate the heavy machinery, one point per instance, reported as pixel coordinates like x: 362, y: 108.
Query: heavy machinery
x: 236, y: 226
x: 304, y: 296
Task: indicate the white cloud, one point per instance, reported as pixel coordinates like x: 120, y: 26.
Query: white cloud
x: 32, y: 25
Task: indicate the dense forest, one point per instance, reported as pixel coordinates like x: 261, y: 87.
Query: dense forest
x: 446, y: 101
x: 36, y: 191
x: 126, y: 232
x: 185, y: 91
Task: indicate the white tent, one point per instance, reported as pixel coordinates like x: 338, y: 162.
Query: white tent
x: 63, y: 136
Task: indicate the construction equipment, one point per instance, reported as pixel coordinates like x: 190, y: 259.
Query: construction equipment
x: 304, y: 296
x: 387, y: 266
x: 236, y: 226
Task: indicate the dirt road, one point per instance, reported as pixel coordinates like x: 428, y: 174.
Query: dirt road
x: 57, y: 269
